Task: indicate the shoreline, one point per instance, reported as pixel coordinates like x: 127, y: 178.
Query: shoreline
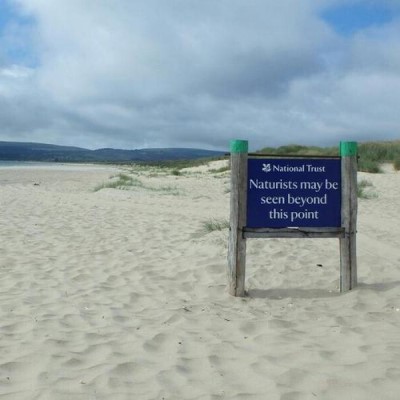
x: 39, y: 165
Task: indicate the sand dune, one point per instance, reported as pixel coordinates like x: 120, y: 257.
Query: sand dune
x: 120, y: 294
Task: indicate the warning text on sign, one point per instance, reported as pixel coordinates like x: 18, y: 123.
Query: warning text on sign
x: 293, y: 192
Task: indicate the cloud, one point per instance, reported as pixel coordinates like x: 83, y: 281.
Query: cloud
x: 189, y: 73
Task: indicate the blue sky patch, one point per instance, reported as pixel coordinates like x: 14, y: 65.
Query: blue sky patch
x: 15, y: 38
x: 349, y: 19
x: 7, y: 14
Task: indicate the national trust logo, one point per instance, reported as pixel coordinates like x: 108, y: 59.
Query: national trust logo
x: 266, y: 168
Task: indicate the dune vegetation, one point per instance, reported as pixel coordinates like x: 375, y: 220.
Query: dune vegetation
x: 371, y: 154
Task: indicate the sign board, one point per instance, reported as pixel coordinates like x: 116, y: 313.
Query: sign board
x: 292, y: 197
x: 289, y: 192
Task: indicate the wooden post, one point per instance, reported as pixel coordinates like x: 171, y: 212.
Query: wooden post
x: 348, y: 255
x: 238, y: 210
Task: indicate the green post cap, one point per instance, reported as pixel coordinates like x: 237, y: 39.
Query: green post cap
x: 348, y: 149
x: 239, y: 146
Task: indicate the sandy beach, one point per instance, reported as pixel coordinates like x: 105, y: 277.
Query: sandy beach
x: 121, y: 294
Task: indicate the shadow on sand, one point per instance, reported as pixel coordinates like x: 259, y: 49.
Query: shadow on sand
x: 299, y: 293
x: 379, y: 287
x: 290, y: 293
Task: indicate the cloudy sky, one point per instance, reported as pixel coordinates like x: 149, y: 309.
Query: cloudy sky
x: 198, y: 73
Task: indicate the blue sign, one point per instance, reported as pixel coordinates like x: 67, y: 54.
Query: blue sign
x: 285, y: 193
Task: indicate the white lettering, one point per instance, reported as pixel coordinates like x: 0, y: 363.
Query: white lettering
x: 274, y: 185
x: 288, y: 168
x: 272, y: 200
x: 302, y: 201
x: 312, y: 168
x: 294, y: 215
x: 317, y: 186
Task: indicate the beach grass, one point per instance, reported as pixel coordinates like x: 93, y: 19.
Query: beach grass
x: 171, y: 190
x: 295, y: 150
x: 363, y: 191
x: 220, y: 170
x: 212, y: 225
x: 371, y: 154
x: 128, y: 182
x: 123, y: 181
x: 178, y: 165
x: 367, y: 165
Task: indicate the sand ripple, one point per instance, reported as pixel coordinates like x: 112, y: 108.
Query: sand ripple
x: 121, y: 295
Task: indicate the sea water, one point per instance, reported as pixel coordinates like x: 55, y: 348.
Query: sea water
x: 25, y: 164
x: 53, y: 165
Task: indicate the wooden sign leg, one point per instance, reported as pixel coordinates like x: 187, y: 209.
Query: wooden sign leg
x: 348, y: 254
x: 238, y: 209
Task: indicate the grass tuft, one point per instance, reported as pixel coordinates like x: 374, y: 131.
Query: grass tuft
x: 362, y: 191
x: 212, y: 225
x: 371, y: 166
x: 124, y: 181
x: 220, y: 170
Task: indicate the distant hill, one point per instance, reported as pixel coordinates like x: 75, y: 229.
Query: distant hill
x: 21, y: 151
